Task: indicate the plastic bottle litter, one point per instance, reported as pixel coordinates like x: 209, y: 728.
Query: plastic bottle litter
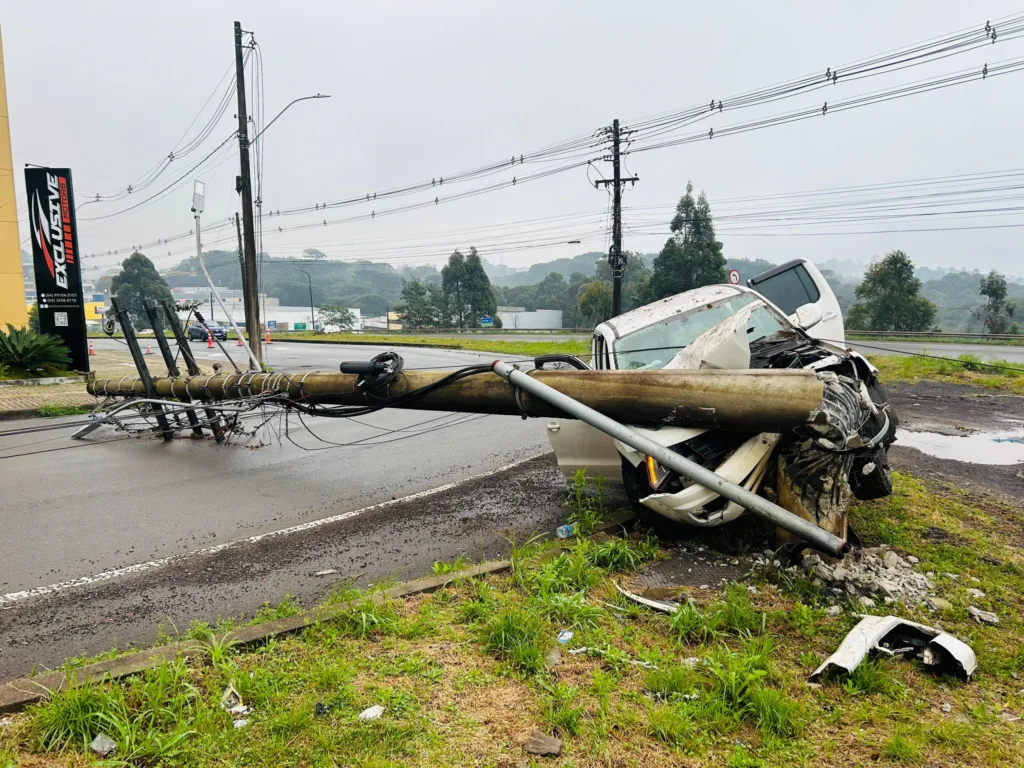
x: 565, y: 636
x: 565, y: 531
x: 373, y: 713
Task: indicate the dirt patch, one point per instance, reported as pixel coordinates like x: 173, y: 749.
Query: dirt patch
x: 938, y: 406
x: 953, y: 409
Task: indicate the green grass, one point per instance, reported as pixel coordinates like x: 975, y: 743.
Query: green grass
x: 463, y: 676
x: 966, y: 369
x: 51, y: 410
x: 520, y: 349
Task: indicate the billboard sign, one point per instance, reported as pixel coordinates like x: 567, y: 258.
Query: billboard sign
x: 51, y: 216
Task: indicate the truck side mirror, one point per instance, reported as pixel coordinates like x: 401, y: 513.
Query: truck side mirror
x: 808, y: 315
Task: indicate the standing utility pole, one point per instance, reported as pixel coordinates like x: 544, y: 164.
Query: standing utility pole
x: 615, y: 258
x: 241, y: 262
x: 250, y: 282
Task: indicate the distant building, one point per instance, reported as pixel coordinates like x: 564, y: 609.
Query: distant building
x: 517, y: 318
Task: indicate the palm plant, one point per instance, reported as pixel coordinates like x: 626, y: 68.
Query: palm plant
x: 32, y: 353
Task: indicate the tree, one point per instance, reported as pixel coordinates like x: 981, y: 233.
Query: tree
x: 890, y: 299
x: 692, y: 257
x: 314, y: 254
x: 33, y: 317
x: 417, y: 308
x: 138, y: 282
x: 467, y: 290
x: 342, y: 317
x: 596, y: 302
x: 636, y: 279
x: 997, y: 314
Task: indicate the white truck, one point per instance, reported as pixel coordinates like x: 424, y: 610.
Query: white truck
x: 787, y: 317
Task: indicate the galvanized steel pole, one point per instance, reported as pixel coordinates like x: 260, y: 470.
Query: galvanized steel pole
x: 819, y: 538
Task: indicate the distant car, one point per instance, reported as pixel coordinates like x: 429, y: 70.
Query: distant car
x: 198, y: 333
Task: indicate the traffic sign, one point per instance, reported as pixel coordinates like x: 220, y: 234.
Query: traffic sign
x: 734, y: 276
x: 300, y: 326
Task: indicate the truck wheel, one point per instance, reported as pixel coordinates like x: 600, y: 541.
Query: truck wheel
x: 634, y: 479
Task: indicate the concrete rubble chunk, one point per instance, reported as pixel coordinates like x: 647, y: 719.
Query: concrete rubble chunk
x: 834, y: 610
x: 912, y: 560
x: 102, y: 745
x: 553, y: 658
x: 867, y: 602
x: 892, y: 560
x: 977, y: 594
x: 541, y: 744
x: 947, y: 708
x: 982, y: 617
x: 938, y: 603
x: 840, y: 574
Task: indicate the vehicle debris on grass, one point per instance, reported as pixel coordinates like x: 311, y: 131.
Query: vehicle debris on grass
x: 894, y: 636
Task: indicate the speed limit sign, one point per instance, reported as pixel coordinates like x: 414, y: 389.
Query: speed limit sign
x: 734, y: 276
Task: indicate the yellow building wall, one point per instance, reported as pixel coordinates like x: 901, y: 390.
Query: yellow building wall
x: 12, y: 285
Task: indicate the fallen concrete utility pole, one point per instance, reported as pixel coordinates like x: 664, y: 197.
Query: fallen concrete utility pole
x: 809, y: 532
x: 743, y: 400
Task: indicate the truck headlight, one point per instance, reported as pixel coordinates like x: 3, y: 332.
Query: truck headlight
x: 656, y: 474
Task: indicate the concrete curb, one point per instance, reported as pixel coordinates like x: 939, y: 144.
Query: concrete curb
x: 44, y: 381
x: 19, y: 693
x: 24, y: 413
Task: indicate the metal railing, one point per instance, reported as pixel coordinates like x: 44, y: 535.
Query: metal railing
x: 938, y: 335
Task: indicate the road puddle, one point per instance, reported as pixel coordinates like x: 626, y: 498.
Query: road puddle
x: 973, y: 447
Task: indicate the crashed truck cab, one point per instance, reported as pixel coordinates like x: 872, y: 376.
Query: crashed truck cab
x: 788, y: 317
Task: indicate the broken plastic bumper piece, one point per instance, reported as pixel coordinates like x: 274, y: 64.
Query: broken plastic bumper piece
x: 893, y: 636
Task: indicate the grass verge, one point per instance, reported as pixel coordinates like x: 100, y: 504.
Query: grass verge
x: 464, y: 674
x: 51, y: 410
x: 965, y: 369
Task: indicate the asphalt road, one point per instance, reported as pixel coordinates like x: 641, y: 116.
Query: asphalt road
x: 75, y: 511
x: 984, y: 351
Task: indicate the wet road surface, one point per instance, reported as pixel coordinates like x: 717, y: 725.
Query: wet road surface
x: 400, y: 540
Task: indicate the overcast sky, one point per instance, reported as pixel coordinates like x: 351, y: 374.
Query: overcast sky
x: 421, y: 90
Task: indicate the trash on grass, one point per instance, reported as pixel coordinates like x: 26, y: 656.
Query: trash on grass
x: 895, y: 636
x: 321, y: 709
x: 565, y: 636
x: 241, y: 723
x: 230, y: 698
x: 326, y: 572
x: 102, y: 745
x: 655, y: 605
x: 240, y: 709
x: 565, y: 531
x: 372, y: 713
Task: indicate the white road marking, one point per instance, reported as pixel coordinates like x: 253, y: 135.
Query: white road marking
x: 8, y: 600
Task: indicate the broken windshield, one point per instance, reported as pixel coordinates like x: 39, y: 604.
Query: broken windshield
x: 653, y: 346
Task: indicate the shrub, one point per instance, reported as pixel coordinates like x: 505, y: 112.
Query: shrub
x: 23, y: 350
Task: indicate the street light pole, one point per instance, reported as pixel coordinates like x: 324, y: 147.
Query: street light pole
x: 312, y: 314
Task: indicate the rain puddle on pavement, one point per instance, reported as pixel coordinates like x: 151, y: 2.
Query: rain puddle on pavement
x: 974, y: 448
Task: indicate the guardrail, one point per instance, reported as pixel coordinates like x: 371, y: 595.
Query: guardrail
x: 938, y: 335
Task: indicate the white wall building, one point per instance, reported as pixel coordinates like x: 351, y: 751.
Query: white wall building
x: 517, y: 318
x: 285, y: 318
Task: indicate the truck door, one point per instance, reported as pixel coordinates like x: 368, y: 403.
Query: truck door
x: 801, y: 292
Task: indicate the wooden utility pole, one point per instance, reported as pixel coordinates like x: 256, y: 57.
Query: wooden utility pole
x: 615, y: 258
x: 250, y: 281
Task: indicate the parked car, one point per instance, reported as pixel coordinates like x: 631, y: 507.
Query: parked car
x: 198, y: 333
x: 787, y: 317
